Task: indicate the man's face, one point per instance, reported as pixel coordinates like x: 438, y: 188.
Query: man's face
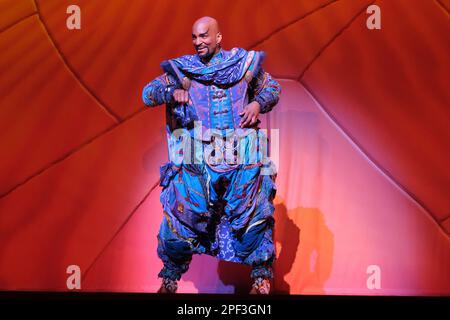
x: 205, y: 40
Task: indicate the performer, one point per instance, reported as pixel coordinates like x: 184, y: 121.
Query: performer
x: 218, y: 186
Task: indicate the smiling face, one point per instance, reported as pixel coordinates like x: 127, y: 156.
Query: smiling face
x: 206, y: 38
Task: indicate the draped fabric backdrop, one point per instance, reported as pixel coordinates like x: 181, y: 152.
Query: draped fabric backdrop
x: 363, y: 126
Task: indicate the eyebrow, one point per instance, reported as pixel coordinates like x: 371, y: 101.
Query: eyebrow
x: 202, y: 34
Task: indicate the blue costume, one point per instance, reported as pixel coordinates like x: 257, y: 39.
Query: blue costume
x: 212, y: 205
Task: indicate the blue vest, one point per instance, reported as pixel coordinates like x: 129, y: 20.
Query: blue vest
x: 216, y: 107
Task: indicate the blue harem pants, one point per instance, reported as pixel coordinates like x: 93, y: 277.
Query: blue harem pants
x: 224, y: 214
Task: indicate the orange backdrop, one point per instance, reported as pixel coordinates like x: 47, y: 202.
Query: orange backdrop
x: 363, y: 124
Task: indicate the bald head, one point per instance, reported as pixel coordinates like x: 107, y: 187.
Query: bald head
x: 206, y: 37
x: 206, y: 23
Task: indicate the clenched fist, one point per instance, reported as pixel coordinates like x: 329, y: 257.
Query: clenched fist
x: 181, y: 96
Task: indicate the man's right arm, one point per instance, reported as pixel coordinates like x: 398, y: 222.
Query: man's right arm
x: 159, y: 91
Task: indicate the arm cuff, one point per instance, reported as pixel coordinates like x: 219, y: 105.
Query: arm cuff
x: 264, y: 105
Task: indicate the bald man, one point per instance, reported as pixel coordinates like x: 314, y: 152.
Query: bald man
x: 218, y: 185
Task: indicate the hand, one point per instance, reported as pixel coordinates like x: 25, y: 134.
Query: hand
x: 181, y: 96
x: 250, y: 114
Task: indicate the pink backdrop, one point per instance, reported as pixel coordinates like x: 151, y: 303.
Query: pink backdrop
x: 363, y: 124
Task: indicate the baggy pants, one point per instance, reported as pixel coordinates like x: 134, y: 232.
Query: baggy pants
x: 227, y: 214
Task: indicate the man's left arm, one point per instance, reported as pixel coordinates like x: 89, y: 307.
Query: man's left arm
x: 264, y: 93
x: 265, y: 90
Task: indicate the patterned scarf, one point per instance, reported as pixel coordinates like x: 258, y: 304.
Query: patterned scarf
x: 227, y: 69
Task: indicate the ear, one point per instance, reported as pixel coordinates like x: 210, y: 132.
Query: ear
x: 218, y: 37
